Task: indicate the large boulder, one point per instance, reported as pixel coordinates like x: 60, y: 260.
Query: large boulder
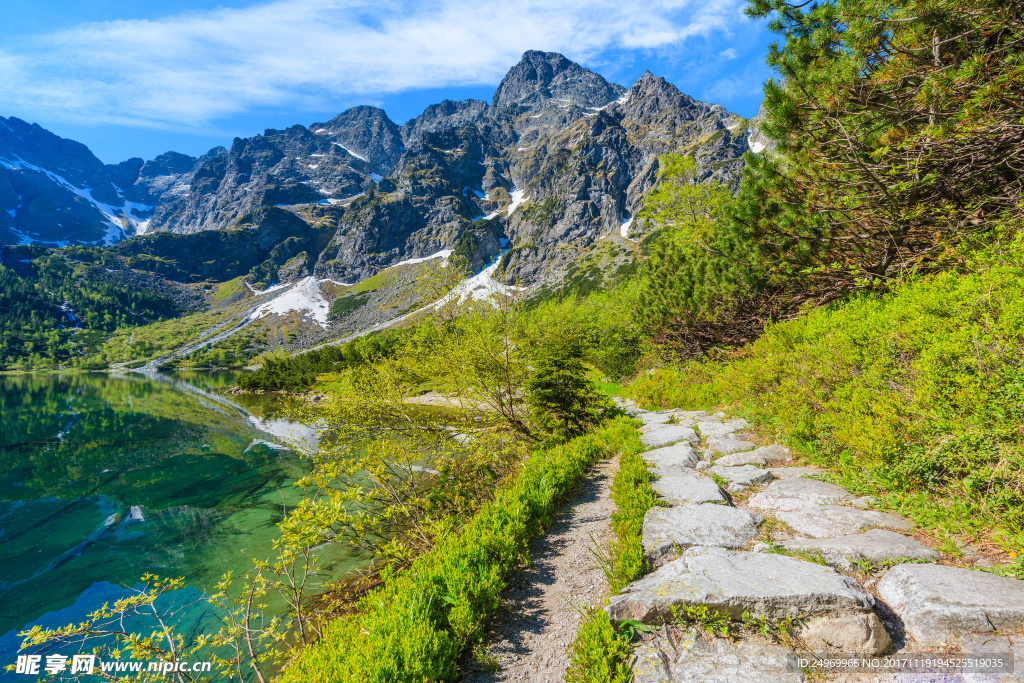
x: 677, y: 455
x: 939, y: 603
x: 734, y: 582
x: 830, y: 521
x: 684, y: 526
x: 798, y: 493
x: 658, y: 436
x: 876, y: 546
x: 678, y: 486
x: 763, y: 457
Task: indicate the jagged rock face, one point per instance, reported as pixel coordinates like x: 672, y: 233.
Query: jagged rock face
x: 55, y: 191
x: 559, y: 159
x: 542, y: 77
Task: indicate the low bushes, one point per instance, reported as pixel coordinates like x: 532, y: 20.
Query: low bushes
x: 416, y: 627
x: 916, y: 397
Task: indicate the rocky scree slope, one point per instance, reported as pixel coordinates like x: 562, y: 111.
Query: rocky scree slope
x: 558, y: 159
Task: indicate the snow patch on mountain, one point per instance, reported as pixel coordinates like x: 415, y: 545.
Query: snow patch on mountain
x: 304, y: 297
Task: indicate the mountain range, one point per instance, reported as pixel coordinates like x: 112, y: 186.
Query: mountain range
x: 557, y: 160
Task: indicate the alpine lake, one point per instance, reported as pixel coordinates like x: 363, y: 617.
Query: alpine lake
x: 107, y: 477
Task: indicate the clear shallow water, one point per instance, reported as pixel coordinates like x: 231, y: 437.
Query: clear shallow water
x: 105, y: 478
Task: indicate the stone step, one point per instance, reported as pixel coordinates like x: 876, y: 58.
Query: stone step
x: 938, y: 604
x: 797, y: 494
x: 658, y: 436
x: 764, y: 456
x: 831, y: 521
x: 744, y: 475
x: 791, y: 472
x: 710, y: 428
x: 677, y: 455
x: 727, y: 444
x: 702, y: 659
x: 877, y: 546
x: 764, y: 585
x: 678, y: 486
x: 684, y: 526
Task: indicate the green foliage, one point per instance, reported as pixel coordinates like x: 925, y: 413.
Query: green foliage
x: 892, y: 125
x: 703, y: 617
x: 561, y: 395
x: 633, y: 497
x: 915, y: 397
x: 418, y: 624
x: 297, y: 372
x: 58, y: 311
x: 344, y: 305
x: 599, y: 654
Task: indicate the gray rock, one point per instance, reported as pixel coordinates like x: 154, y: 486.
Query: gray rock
x: 939, y: 603
x: 798, y: 493
x: 656, y: 436
x: 791, y: 472
x: 676, y: 455
x: 745, y: 475
x: 689, y: 525
x: 703, y: 659
x: 877, y: 545
x: 764, y: 456
x: 847, y: 633
x: 830, y: 521
x: 1012, y: 646
x: 657, y: 418
x: 726, y: 445
x: 733, y: 582
x: 709, y: 429
x: 679, y: 486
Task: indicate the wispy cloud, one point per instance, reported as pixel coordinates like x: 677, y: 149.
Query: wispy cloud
x: 187, y: 71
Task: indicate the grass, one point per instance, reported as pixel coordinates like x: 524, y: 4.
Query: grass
x: 419, y: 624
x: 915, y: 397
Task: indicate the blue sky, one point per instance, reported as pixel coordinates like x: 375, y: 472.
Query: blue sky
x: 136, y: 79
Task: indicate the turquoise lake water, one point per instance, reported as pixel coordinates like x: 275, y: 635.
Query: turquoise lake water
x: 105, y: 478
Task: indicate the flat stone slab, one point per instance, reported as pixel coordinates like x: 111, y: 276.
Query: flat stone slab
x: 679, y: 486
x: 657, y: 436
x: 791, y: 472
x: 938, y: 603
x: 658, y: 418
x: 735, y: 581
x: 1011, y: 645
x: 704, y: 659
x: 764, y: 456
x: 745, y: 475
x: 677, y: 455
x: 688, y: 525
x: 877, y: 546
x: 831, y: 521
x: 727, y: 444
x: 798, y: 493
x: 712, y: 428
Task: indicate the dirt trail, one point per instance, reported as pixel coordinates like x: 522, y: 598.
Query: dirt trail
x: 530, y: 636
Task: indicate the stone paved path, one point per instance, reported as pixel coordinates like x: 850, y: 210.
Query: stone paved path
x: 713, y: 560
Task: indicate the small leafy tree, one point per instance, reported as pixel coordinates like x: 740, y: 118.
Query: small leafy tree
x: 561, y: 396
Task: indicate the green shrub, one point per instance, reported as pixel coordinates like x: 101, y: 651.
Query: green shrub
x: 916, y: 397
x: 417, y: 625
x: 599, y: 654
x: 633, y: 496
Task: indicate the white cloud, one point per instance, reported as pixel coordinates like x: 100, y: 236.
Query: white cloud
x: 729, y: 54
x: 192, y: 69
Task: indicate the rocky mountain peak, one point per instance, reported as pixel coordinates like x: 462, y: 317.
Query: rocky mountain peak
x: 541, y: 79
x: 366, y: 133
